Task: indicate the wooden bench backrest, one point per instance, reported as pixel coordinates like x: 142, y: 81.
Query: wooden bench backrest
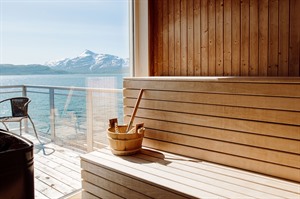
x: 248, y: 123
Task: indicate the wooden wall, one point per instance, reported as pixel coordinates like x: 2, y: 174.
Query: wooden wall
x: 224, y: 37
x: 243, y: 122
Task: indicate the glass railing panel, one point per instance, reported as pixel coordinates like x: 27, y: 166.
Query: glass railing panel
x: 39, y: 110
x: 70, y: 117
x: 105, y: 105
x: 78, y: 113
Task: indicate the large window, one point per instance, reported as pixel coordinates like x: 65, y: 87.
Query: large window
x: 54, y: 37
x: 75, y: 44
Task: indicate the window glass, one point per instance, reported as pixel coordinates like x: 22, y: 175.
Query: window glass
x: 58, y: 49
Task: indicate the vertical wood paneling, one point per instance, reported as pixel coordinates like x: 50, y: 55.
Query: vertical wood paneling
x: 204, y: 37
x: 227, y: 37
x: 283, y: 68
x: 253, y: 67
x: 245, y: 39
x: 153, y: 38
x: 273, y: 38
x: 211, y: 37
x: 165, y: 20
x: 171, y: 14
x: 158, y: 70
x: 177, y: 38
x: 219, y: 38
x: 190, y: 35
x: 236, y: 37
x: 224, y: 37
x: 197, y: 41
x: 263, y: 39
x: 294, y: 45
x: 183, y: 39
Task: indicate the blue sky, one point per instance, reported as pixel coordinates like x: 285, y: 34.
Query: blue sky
x: 37, y: 31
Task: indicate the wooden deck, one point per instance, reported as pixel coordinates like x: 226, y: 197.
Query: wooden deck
x: 57, y: 175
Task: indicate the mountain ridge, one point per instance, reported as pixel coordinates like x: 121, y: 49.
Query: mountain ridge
x: 88, y: 62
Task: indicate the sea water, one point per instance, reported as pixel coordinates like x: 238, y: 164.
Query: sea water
x: 76, y: 80
x: 70, y: 105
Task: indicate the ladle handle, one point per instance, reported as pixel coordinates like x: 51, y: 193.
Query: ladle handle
x: 135, y: 110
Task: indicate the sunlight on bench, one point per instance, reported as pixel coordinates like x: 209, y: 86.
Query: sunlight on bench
x: 233, y: 138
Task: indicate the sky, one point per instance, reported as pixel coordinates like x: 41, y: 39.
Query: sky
x: 38, y: 31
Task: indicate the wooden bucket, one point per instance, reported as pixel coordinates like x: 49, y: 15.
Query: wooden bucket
x: 122, y: 143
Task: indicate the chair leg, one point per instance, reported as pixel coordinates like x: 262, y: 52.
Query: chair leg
x: 5, y: 126
x: 21, y: 127
x: 34, y: 129
x: 37, y: 137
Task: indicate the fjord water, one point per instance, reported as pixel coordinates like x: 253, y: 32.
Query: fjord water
x: 76, y: 80
x: 68, y: 104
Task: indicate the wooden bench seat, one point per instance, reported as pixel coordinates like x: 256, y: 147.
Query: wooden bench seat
x: 242, y: 136
x: 156, y: 174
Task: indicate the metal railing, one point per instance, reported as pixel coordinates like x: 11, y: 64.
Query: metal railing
x: 70, y: 115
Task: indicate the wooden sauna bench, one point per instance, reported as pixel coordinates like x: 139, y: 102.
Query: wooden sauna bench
x: 205, y: 138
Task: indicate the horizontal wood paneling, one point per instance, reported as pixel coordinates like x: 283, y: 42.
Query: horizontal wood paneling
x: 108, y: 188
x: 224, y: 38
x: 254, y: 125
x: 229, y: 136
x: 261, y: 102
x: 261, y: 89
x: 131, y: 180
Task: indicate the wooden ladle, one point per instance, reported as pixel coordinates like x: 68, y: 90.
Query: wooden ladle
x: 135, y: 110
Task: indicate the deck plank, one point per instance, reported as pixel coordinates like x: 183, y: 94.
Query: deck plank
x: 57, y: 175
x: 53, y: 182
x: 46, y: 190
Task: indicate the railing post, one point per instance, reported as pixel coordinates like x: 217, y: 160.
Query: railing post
x: 52, y: 113
x: 24, y: 91
x: 24, y: 94
x: 89, y: 120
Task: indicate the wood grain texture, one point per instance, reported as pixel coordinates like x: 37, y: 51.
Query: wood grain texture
x: 177, y: 38
x: 156, y: 174
x: 249, y: 123
x: 253, y: 55
x: 171, y: 14
x: 183, y: 38
x: 227, y: 38
x: 224, y: 38
x: 197, y: 39
x: 211, y: 37
x: 236, y: 38
x: 273, y: 38
x: 283, y: 68
x: 165, y: 40
x: 219, y: 37
x: 263, y: 37
x: 204, y: 37
x: 191, y: 38
x: 294, y: 35
x: 245, y: 37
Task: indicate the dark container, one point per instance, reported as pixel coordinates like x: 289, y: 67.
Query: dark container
x: 16, y: 167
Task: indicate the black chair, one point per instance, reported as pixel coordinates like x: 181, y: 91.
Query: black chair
x: 19, y: 111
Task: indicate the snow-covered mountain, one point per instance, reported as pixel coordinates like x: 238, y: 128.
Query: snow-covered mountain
x: 90, y: 62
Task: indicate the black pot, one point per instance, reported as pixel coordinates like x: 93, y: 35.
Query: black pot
x: 16, y: 167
